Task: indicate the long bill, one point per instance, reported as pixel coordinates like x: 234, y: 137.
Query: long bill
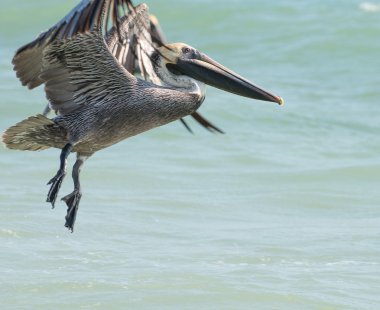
x: 214, y: 74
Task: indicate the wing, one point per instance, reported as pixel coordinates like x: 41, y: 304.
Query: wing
x: 131, y: 43
x: 81, y: 71
x: 28, y: 59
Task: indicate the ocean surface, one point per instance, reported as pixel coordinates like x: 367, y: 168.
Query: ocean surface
x: 281, y: 212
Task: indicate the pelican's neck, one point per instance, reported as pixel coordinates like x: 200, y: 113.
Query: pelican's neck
x: 182, y: 83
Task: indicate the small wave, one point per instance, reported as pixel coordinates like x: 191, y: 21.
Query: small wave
x: 369, y: 7
x: 8, y: 232
x: 349, y: 262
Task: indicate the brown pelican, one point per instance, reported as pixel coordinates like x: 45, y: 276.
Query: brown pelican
x: 97, y: 100
x: 74, y: 22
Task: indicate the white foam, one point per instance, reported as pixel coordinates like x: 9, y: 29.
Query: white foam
x: 9, y: 233
x: 369, y: 7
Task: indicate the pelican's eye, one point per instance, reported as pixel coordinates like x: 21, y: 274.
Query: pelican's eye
x: 186, y: 50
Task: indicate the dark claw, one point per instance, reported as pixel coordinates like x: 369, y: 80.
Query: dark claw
x: 72, y: 202
x: 56, y: 183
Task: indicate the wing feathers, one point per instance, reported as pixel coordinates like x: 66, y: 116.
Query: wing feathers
x: 82, y: 18
x: 82, y: 71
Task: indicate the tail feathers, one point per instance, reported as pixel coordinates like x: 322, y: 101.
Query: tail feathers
x: 31, y: 134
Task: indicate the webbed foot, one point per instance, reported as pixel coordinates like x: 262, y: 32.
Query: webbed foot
x: 56, y: 183
x: 72, y: 202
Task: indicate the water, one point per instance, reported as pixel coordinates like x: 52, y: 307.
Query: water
x: 282, y: 212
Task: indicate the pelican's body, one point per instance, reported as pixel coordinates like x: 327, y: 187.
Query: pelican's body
x: 106, y: 125
x: 98, y: 101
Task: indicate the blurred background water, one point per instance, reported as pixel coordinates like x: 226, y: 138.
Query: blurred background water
x: 281, y: 212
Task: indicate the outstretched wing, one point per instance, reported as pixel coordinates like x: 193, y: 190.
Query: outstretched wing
x: 28, y: 59
x: 131, y: 43
x: 81, y: 71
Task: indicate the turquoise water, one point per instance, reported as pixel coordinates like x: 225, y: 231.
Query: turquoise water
x: 282, y: 212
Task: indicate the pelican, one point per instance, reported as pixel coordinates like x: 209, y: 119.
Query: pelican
x: 134, y: 61
x: 97, y: 100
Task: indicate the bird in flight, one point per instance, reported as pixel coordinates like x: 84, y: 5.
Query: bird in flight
x: 88, y: 63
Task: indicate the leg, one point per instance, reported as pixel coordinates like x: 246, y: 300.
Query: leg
x: 46, y: 110
x: 56, y: 182
x: 72, y: 200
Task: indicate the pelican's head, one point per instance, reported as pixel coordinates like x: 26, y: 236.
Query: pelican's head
x: 178, y: 61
